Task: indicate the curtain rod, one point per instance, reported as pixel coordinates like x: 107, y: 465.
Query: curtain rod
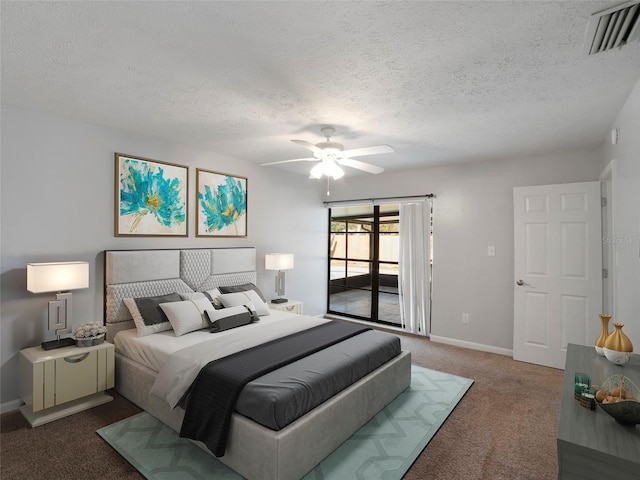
x: 366, y: 201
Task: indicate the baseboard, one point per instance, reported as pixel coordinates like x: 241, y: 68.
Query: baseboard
x: 384, y: 326
x: 434, y: 338
x: 471, y: 345
x: 10, y: 406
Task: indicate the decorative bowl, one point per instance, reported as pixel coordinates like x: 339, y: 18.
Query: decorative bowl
x: 625, y: 411
x: 89, y: 341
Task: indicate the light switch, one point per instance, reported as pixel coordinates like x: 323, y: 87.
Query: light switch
x: 491, y: 250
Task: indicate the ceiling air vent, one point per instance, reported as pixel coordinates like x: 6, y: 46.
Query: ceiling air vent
x: 613, y: 28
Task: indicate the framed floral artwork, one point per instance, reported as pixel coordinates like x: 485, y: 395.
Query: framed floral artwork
x: 221, y: 204
x: 151, y: 197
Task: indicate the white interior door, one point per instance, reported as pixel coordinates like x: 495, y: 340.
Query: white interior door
x: 558, y: 270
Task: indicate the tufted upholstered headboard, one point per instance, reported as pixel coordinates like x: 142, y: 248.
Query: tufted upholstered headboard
x: 143, y: 273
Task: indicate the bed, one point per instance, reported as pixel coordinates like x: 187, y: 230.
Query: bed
x: 252, y: 450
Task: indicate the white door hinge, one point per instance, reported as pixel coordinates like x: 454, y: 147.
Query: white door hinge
x: 605, y: 273
x: 603, y: 201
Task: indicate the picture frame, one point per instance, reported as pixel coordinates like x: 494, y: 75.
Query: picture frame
x: 221, y: 204
x: 151, y: 198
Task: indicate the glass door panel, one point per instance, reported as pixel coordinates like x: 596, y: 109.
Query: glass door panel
x: 338, y: 245
x: 388, y: 300
x: 389, y: 249
x: 338, y: 272
x: 363, y: 252
x: 359, y: 246
x: 350, y: 288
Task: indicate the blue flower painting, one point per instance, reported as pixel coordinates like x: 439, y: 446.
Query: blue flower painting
x: 152, y: 198
x: 222, y: 204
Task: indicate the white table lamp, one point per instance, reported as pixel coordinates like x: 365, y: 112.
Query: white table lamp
x: 58, y: 277
x: 279, y: 262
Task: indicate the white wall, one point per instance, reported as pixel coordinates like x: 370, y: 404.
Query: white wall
x: 626, y: 215
x: 473, y: 209
x: 57, y: 203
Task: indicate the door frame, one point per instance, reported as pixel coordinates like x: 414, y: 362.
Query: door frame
x: 607, y: 179
x: 548, y: 291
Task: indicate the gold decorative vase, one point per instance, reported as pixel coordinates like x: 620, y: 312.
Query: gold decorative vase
x: 604, y: 333
x: 618, y: 347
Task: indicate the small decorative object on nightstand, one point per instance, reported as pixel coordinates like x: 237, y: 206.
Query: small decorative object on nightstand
x: 90, y: 334
x: 291, y: 306
x: 61, y: 382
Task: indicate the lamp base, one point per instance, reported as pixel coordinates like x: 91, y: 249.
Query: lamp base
x: 62, y: 342
x: 279, y: 300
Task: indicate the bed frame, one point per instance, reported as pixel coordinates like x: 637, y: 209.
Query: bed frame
x: 253, y: 451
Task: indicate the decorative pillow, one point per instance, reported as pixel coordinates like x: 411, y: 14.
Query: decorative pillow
x: 213, y: 295
x: 192, y: 295
x: 188, y: 315
x: 231, y: 317
x: 238, y: 299
x: 249, y: 298
x: 147, y: 314
x: 242, y: 288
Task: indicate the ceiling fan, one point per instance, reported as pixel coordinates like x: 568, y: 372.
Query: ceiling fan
x: 332, y: 156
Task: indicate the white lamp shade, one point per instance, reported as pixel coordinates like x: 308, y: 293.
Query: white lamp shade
x: 278, y: 261
x: 328, y: 168
x: 57, y: 276
x: 317, y: 171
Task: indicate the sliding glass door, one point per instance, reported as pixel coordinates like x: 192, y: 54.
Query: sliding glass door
x: 363, y: 263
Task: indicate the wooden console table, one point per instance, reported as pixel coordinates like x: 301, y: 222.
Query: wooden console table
x: 591, y: 444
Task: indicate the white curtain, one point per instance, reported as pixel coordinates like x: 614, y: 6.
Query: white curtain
x: 414, y: 267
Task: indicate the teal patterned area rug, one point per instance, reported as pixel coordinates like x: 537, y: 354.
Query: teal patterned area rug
x: 384, y: 448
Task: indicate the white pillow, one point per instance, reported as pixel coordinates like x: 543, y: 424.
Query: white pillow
x: 236, y: 299
x: 187, y: 316
x: 214, y: 295
x: 249, y: 298
x: 191, y: 295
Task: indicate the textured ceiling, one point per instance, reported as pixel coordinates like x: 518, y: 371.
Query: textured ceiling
x: 441, y: 82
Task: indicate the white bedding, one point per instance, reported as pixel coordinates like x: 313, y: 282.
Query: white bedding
x: 179, y: 359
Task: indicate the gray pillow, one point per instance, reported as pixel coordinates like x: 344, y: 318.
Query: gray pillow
x: 153, y: 320
x: 242, y: 288
x: 149, y: 307
x: 220, y: 320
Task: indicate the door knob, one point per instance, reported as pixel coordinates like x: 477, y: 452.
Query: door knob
x: 520, y: 282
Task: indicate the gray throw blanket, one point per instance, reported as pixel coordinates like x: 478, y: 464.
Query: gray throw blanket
x: 210, y: 400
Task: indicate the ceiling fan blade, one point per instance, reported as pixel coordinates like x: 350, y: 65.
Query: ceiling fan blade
x: 374, y: 150
x: 367, y: 167
x: 289, y: 161
x: 308, y: 145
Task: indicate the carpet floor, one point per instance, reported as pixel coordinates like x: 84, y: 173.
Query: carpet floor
x: 384, y: 448
x: 504, y: 428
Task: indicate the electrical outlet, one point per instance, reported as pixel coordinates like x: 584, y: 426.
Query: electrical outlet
x: 491, y: 250
x: 465, y: 318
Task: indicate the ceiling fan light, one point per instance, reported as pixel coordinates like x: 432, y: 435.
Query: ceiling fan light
x: 317, y: 171
x: 332, y: 150
x: 328, y: 168
x: 332, y: 156
x: 334, y: 171
x: 338, y: 174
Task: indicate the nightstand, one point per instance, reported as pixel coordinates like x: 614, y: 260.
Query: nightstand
x: 61, y: 382
x: 291, y: 306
